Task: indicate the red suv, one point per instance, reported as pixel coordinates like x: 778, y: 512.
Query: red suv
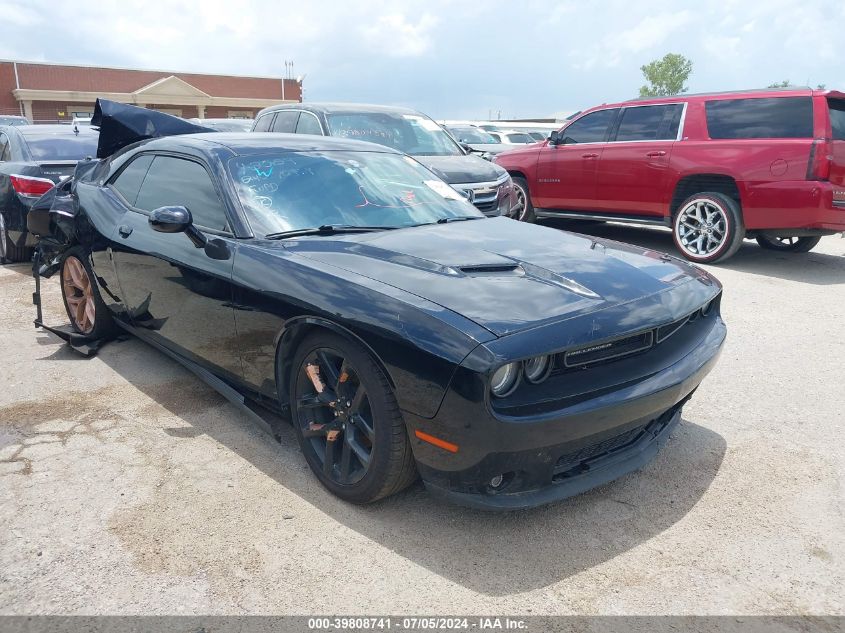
x: 716, y: 168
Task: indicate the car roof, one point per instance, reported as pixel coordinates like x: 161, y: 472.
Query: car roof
x: 792, y: 91
x: 329, y: 108
x: 54, y: 130
x: 259, y: 142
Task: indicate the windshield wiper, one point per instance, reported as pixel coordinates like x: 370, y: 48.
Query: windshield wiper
x: 460, y: 218
x: 326, y: 229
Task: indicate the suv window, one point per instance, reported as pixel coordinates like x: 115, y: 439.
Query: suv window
x: 773, y: 117
x: 263, y: 123
x: 308, y: 124
x: 128, y: 182
x: 176, y: 181
x: 285, y: 121
x: 591, y: 128
x: 650, y: 123
x: 836, y: 107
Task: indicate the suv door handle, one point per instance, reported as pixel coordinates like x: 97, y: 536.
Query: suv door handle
x: 589, y: 155
x: 655, y: 154
x: 125, y: 231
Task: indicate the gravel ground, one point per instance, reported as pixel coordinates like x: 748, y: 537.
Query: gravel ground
x: 129, y: 487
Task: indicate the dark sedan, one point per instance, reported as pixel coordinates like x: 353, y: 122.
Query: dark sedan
x: 507, y: 364
x: 32, y: 159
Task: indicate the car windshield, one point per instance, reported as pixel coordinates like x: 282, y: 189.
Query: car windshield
x: 54, y: 147
x: 13, y: 120
x: 472, y: 135
x: 230, y: 125
x: 409, y: 133
x: 519, y: 137
x: 288, y: 191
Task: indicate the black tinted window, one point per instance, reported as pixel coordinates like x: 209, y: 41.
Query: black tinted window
x: 591, y: 128
x: 776, y: 117
x: 177, y: 182
x: 285, y: 121
x: 308, y: 124
x: 68, y: 147
x: 649, y: 123
x: 263, y: 123
x: 837, y: 118
x: 128, y: 182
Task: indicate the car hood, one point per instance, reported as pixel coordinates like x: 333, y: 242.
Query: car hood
x: 490, y: 148
x: 507, y: 276
x: 462, y: 169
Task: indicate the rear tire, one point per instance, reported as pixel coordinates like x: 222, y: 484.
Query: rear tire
x: 525, y: 211
x: 351, y: 433
x: 9, y: 253
x: 788, y: 244
x: 708, y: 227
x: 85, y: 308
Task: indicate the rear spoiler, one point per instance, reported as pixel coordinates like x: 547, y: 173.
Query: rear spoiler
x: 122, y: 124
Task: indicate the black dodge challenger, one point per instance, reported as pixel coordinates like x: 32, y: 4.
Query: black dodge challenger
x: 507, y: 364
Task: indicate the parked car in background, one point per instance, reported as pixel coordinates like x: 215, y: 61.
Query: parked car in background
x: 405, y: 333
x: 477, y: 140
x: 13, y: 120
x: 716, y: 168
x: 488, y: 187
x: 225, y: 125
x: 512, y: 137
x: 32, y: 159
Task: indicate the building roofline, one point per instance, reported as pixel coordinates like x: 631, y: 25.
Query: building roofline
x: 149, y: 70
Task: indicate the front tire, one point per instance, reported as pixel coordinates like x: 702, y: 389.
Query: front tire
x: 788, y: 244
x: 347, y: 420
x: 708, y: 228
x: 85, y: 308
x: 523, y: 209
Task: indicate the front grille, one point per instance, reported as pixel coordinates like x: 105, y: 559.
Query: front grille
x: 577, y: 462
x: 486, y: 205
x: 608, y: 350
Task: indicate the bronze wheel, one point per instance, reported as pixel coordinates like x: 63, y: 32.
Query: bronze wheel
x: 79, y: 295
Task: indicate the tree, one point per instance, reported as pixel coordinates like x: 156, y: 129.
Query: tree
x: 780, y: 84
x: 666, y: 76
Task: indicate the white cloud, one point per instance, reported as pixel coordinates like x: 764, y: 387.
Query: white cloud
x: 394, y: 35
x: 650, y: 33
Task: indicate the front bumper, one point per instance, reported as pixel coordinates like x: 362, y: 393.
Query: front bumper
x: 552, y: 456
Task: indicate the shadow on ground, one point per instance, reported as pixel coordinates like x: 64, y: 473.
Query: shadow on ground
x: 494, y: 554
x: 812, y: 267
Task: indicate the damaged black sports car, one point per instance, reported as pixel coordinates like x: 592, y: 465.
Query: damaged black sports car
x: 507, y: 364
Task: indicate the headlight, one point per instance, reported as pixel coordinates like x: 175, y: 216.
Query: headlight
x: 537, y: 369
x: 504, y: 380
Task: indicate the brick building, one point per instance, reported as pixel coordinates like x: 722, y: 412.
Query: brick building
x: 51, y: 92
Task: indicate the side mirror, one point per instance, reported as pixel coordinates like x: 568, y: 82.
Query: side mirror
x: 177, y: 220
x: 170, y: 219
x: 554, y: 138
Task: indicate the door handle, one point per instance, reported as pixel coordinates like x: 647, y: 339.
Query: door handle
x: 656, y: 154
x: 125, y: 231
x: 589, y: 155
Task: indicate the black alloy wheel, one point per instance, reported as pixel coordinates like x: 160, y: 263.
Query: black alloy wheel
x: 347, y: 421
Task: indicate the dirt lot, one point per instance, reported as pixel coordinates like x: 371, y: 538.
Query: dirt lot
x: 127, y: 486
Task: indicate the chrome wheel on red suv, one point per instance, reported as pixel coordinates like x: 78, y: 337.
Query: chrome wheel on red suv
x: 708, y: 227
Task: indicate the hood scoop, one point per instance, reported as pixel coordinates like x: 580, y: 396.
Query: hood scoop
x: 487, y: 269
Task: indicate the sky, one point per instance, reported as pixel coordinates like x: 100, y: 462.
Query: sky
x: 448, y: 58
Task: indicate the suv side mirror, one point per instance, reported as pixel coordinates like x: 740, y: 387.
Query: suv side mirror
x: 177, y: 220
x: 554, y: 138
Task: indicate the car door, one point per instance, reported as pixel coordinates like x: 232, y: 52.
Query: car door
x: 174, y: 292
x: 632, y: 170
x: 566, y: 172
